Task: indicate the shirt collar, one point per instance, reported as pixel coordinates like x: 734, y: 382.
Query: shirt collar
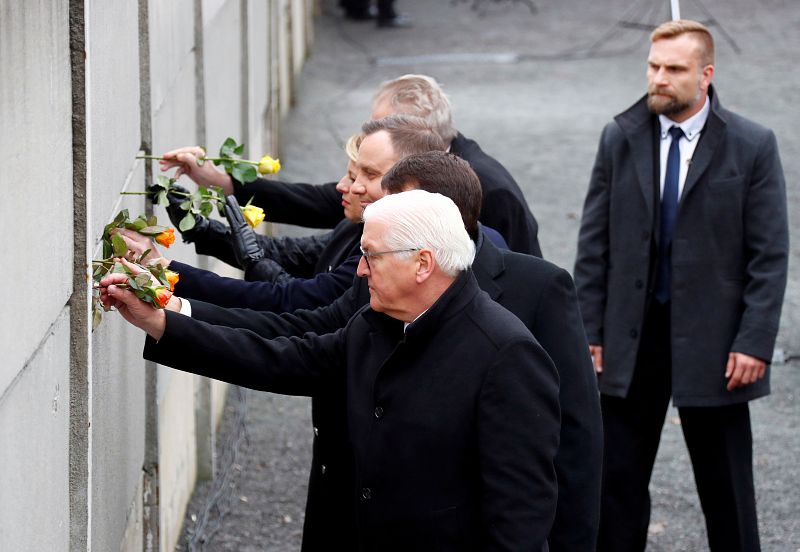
x: 691, y: 127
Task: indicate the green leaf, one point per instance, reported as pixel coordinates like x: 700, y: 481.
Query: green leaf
x: 151, y: 230
x: 118, y: 245
x: 161, y: 198
x: 152, y: 221
x: 121, y: 217
x: 142, y: 256
x: 206, y: 207
x: 143, y: 279
x: 137, y: 225
x: 119, y: 268
x: 227, y: 148
x: 187, y: 222
x: 248, y: 173
x: 227, y: 165
x: 164, y: 181
x: 186, y: 205
x: 97, y: 317
x: 239, y: 150
x: 107, y: 251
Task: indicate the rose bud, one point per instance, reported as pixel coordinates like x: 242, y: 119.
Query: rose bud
x: 161, y: 297
x: 172, y: 278
x: 268, y: 165
x: 167, y: 237
x: 253, y: 215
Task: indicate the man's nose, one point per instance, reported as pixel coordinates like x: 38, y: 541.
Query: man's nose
x: 358, y: 188
x: 363, y: 267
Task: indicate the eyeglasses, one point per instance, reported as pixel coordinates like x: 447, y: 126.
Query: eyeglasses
x: 368, y: 254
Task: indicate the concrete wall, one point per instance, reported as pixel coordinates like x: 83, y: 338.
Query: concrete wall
x: 102, y: 445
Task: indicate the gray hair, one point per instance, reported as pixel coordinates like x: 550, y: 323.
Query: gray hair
x: 421, y: 220
x: 421, y: 96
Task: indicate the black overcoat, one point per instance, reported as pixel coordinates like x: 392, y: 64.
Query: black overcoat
x: 729, y: 253
x: 452, y: 425
x: 542, y: 296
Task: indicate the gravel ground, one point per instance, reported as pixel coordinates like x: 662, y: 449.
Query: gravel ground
x: 535, y: 90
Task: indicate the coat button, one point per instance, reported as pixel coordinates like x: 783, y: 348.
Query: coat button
x: 323, y: 469
x: 634, y: 334
x: 316, y: 432
x: 379, y: 412
x: 366, y: 493
x: 639, y: 284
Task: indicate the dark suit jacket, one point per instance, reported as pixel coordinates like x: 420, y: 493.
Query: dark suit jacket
x: 504, y: 207
x: 452, y: 426
x: 729, y: 253
x: 540, y: 294
x: 335, y: 268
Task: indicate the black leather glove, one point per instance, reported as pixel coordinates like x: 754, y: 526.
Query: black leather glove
x: 267, y: 270
x: 245, y: 243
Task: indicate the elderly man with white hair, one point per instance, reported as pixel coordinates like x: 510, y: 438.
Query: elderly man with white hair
x: 449, y: 404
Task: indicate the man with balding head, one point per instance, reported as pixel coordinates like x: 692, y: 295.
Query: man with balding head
x: 449, y: 405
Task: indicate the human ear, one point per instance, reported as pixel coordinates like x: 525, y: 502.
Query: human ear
x: 426, y: 263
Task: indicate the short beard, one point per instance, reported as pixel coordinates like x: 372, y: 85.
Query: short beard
x: 672, y: 106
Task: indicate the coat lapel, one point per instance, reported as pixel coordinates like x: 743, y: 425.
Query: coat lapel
x: 637, y: 125
x: 709, y: 140
x: 488, y: 267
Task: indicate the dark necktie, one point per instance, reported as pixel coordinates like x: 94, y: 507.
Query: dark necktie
x: 669, y: 211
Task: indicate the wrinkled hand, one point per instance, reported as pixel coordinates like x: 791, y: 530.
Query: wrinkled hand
x: 185, y: 160
x: 743, y: 370
x: 138, y: 243
x: 597, y: 357
x: 135, y: 311
x: 245, y: 243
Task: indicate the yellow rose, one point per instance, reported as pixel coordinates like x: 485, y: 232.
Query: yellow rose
x: 253, y: 215
x: 268, y: 165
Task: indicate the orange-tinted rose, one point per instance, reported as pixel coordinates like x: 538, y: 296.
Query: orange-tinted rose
x: 172, y: 278
x: 161, y: 297
x: 167, y: 237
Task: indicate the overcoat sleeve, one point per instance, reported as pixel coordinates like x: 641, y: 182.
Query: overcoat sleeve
x: 591, y: 263
x: 321, y: 320
x: 766, y: 242
x: 291, y: 366
x: 322, y: 289
x: 518, y: 425
x: 309, y: 205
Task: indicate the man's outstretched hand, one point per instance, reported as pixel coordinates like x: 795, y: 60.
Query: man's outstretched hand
x: 137, y: 312
x: 204, y: 174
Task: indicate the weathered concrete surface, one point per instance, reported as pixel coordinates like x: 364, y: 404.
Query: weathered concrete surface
x: 542, y: 117
x: 33, y: 481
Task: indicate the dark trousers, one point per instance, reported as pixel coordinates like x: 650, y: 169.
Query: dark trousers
x: 720, y: 447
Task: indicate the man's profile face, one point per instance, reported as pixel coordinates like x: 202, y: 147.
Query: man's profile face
x: 375, y: 157
x: 391, y: 277
x: 676, y: 81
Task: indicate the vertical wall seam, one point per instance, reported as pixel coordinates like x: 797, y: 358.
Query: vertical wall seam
x: 151, y: 515
x: 79, y: 393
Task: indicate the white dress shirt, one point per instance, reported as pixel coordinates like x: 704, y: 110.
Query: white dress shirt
x: 691, y: 127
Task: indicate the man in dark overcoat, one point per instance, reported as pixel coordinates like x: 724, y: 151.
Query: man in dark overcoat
x: 681, y: 270
x: 450, y: 404
x: 539, y: 293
